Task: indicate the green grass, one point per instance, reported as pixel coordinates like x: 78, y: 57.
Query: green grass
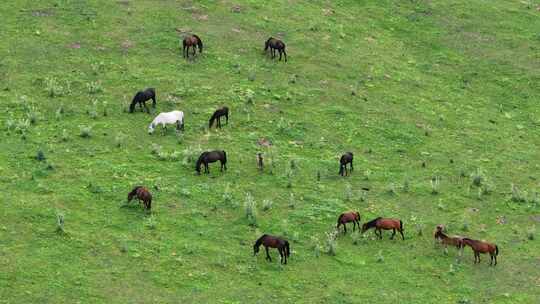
x: 452, y: 85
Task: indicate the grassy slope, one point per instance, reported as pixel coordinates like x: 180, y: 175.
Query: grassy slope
x: 444, y: 68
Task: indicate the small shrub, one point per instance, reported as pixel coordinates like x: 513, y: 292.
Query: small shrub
x: 32, y: 116
x: 10, y: 124
x: 179, y: 137
x: 250, y: 207
x: 40, y: 156
x: 534, y: 199
x: 105, y: 109
x: 65, y: 136
x: 22, y: 126
x: 465, y: 226
x: 59, y: 112
x: 364, y: 195
x: 150, y: 223
x: 517, y: 195
x: 406, y: 186
x: 318, y: 176
x: 331, y: 242
x: 60, y: 222
x: 316, y: 246
x: 356, y: 237
x: 477, y: 178
x: 94, y: 87
x: 348, y: 192
x: 54, y: 88
x: 227, y: 195
x: 86, y: 131
x: 267, y: 204
x: 391, y: 189
x: 435, y: 185
x: 249, y: 96
x: 119, y: 139
x: 380, y: 257
x: 292, y: 201
x: 531, y: 232
x: 367, y: 174
x: 156, y: 149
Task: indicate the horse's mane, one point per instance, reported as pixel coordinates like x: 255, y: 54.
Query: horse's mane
x: 260, y: 240
x: 372, y: 223
x: 199, y: 42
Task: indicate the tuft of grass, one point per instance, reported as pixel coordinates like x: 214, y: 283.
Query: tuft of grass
x: 94, y: 87
x: 517, y: 195
x: 477, y: 177
x: 119, y: 139
x: 65, y: 135
x: 150, y: 222
x: 435, y: 185
x: 531, y: 232
x: 85, y: 131
x: 60, y: 222
x: 391, y: 189
x: 40, y: 156
x: 379, y: 257
x: 55, y: 89
x: 367, y: 174
x: 331, y: 242
x: 348, y: 192
x: 32, y: 115
x: 267, y: 204
x: 292, y: 201
x: 250, y: 208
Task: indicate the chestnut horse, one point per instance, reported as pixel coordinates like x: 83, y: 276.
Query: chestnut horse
x: 217, y: 115
x: 143, y: 195
x: 192, y: 41
x: 449, y: 240
x: 275, y: 44
x: 273, y: 242
x: 482, y: 247
x: 345, y: 159
x: 348, y: 217
x: 386, y: 224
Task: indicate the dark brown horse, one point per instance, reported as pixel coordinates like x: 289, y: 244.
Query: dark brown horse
x: 211, y: 157
x: 217, y: 115
x: 275, y: 44
x: 445, y: 240
x: 191, y: 41
x: 347, y: 217
x: 386, y: 224
x: 143, y: 195
x: 345, y: 159
x: 273, y: 242
x: 482, y: 247
x: 141, y: 97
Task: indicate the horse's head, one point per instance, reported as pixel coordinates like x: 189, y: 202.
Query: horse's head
x: 255, y: 249
x: 151, y: 128
x: 130, y: 196
x: 365, y: 227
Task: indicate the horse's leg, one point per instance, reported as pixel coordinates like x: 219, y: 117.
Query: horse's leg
x: 352, y: 166
x: 495, y: 257
x: 280, y: 53
x: 267, y: 254
x: 285, y: 53
x: 194, y: 50
x: 147, y: 110
x: 393, y: 233
x: 280, y: 250
x: 354, y: 226
x: 380, y: 233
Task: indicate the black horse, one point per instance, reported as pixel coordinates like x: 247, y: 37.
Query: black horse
x: 211, y: 157
x: 346, y: 158
x: 273, y: 242
x: 275, y: 44
x: 192, y: 41
x: 141, y: 97
x: 217, y: 115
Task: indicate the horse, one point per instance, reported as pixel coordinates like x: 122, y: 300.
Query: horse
x: 449, y: 240
x: 192, y: 41
x: 143, y: 195
x: 141, y: 97
x: 345, y: 159
x: 347, y: 217
x: 165, y: 118
x: 217, y: 115
x: 273, y: 242
x: 386, y: 224
x: 211, y: 157
x: 482, y: 247
x: 275, y: 44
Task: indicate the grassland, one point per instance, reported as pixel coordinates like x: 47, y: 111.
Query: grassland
x: 437, y: 99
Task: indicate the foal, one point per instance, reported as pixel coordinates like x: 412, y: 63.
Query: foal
x: 141, y: 97
x: 217, y: 115
x: 275, y: 44
x: 348, y: 217
x: 211, y: 157
x: 449, y: 240
x: 482, y: 247
x: 273, y: 242
x: 192, y: 41
x: 345, y: 159
x: 386, y: 224
x: 143, y: 195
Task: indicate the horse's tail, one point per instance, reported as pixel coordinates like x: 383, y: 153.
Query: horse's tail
x: 358, y: 214
x: 401, y: 225
x: 496, y: 250
x: 199, y: 43
x: 287, y: 249
x: 211, y: 121
x: 224, y: 157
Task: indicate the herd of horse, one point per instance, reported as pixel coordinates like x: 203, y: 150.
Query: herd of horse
x: 176, y: 118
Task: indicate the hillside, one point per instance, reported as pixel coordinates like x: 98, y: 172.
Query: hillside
x: 438, y: 101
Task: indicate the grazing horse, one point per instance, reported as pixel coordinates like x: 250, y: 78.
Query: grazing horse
x: 345, y: 159
x: 211, y: 157
x: 275, y: 44
x: 192, y: 41
x: 482, y: 247
x: 449, y: 240
x: 143, y: 195
x: 165, y: 118
x: 273, y: 242
x: 217, y: 115
x: 386, y: 224
x: 141, y: 97
x: 348, y: 217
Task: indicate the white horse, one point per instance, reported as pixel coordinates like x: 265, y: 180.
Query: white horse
x: 165, y: 118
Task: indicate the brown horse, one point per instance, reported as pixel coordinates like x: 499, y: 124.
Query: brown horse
x: 143, y: 195
x: 345, y: 159
x: 217, y: 115
x: 275, y: 44
x: 386, y: 224
x: 347, y: 217
x: 273, y: 242
x: 482, y: 247
x: 211, y: 157
x: 449, y: 240
x: 191, y: 41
